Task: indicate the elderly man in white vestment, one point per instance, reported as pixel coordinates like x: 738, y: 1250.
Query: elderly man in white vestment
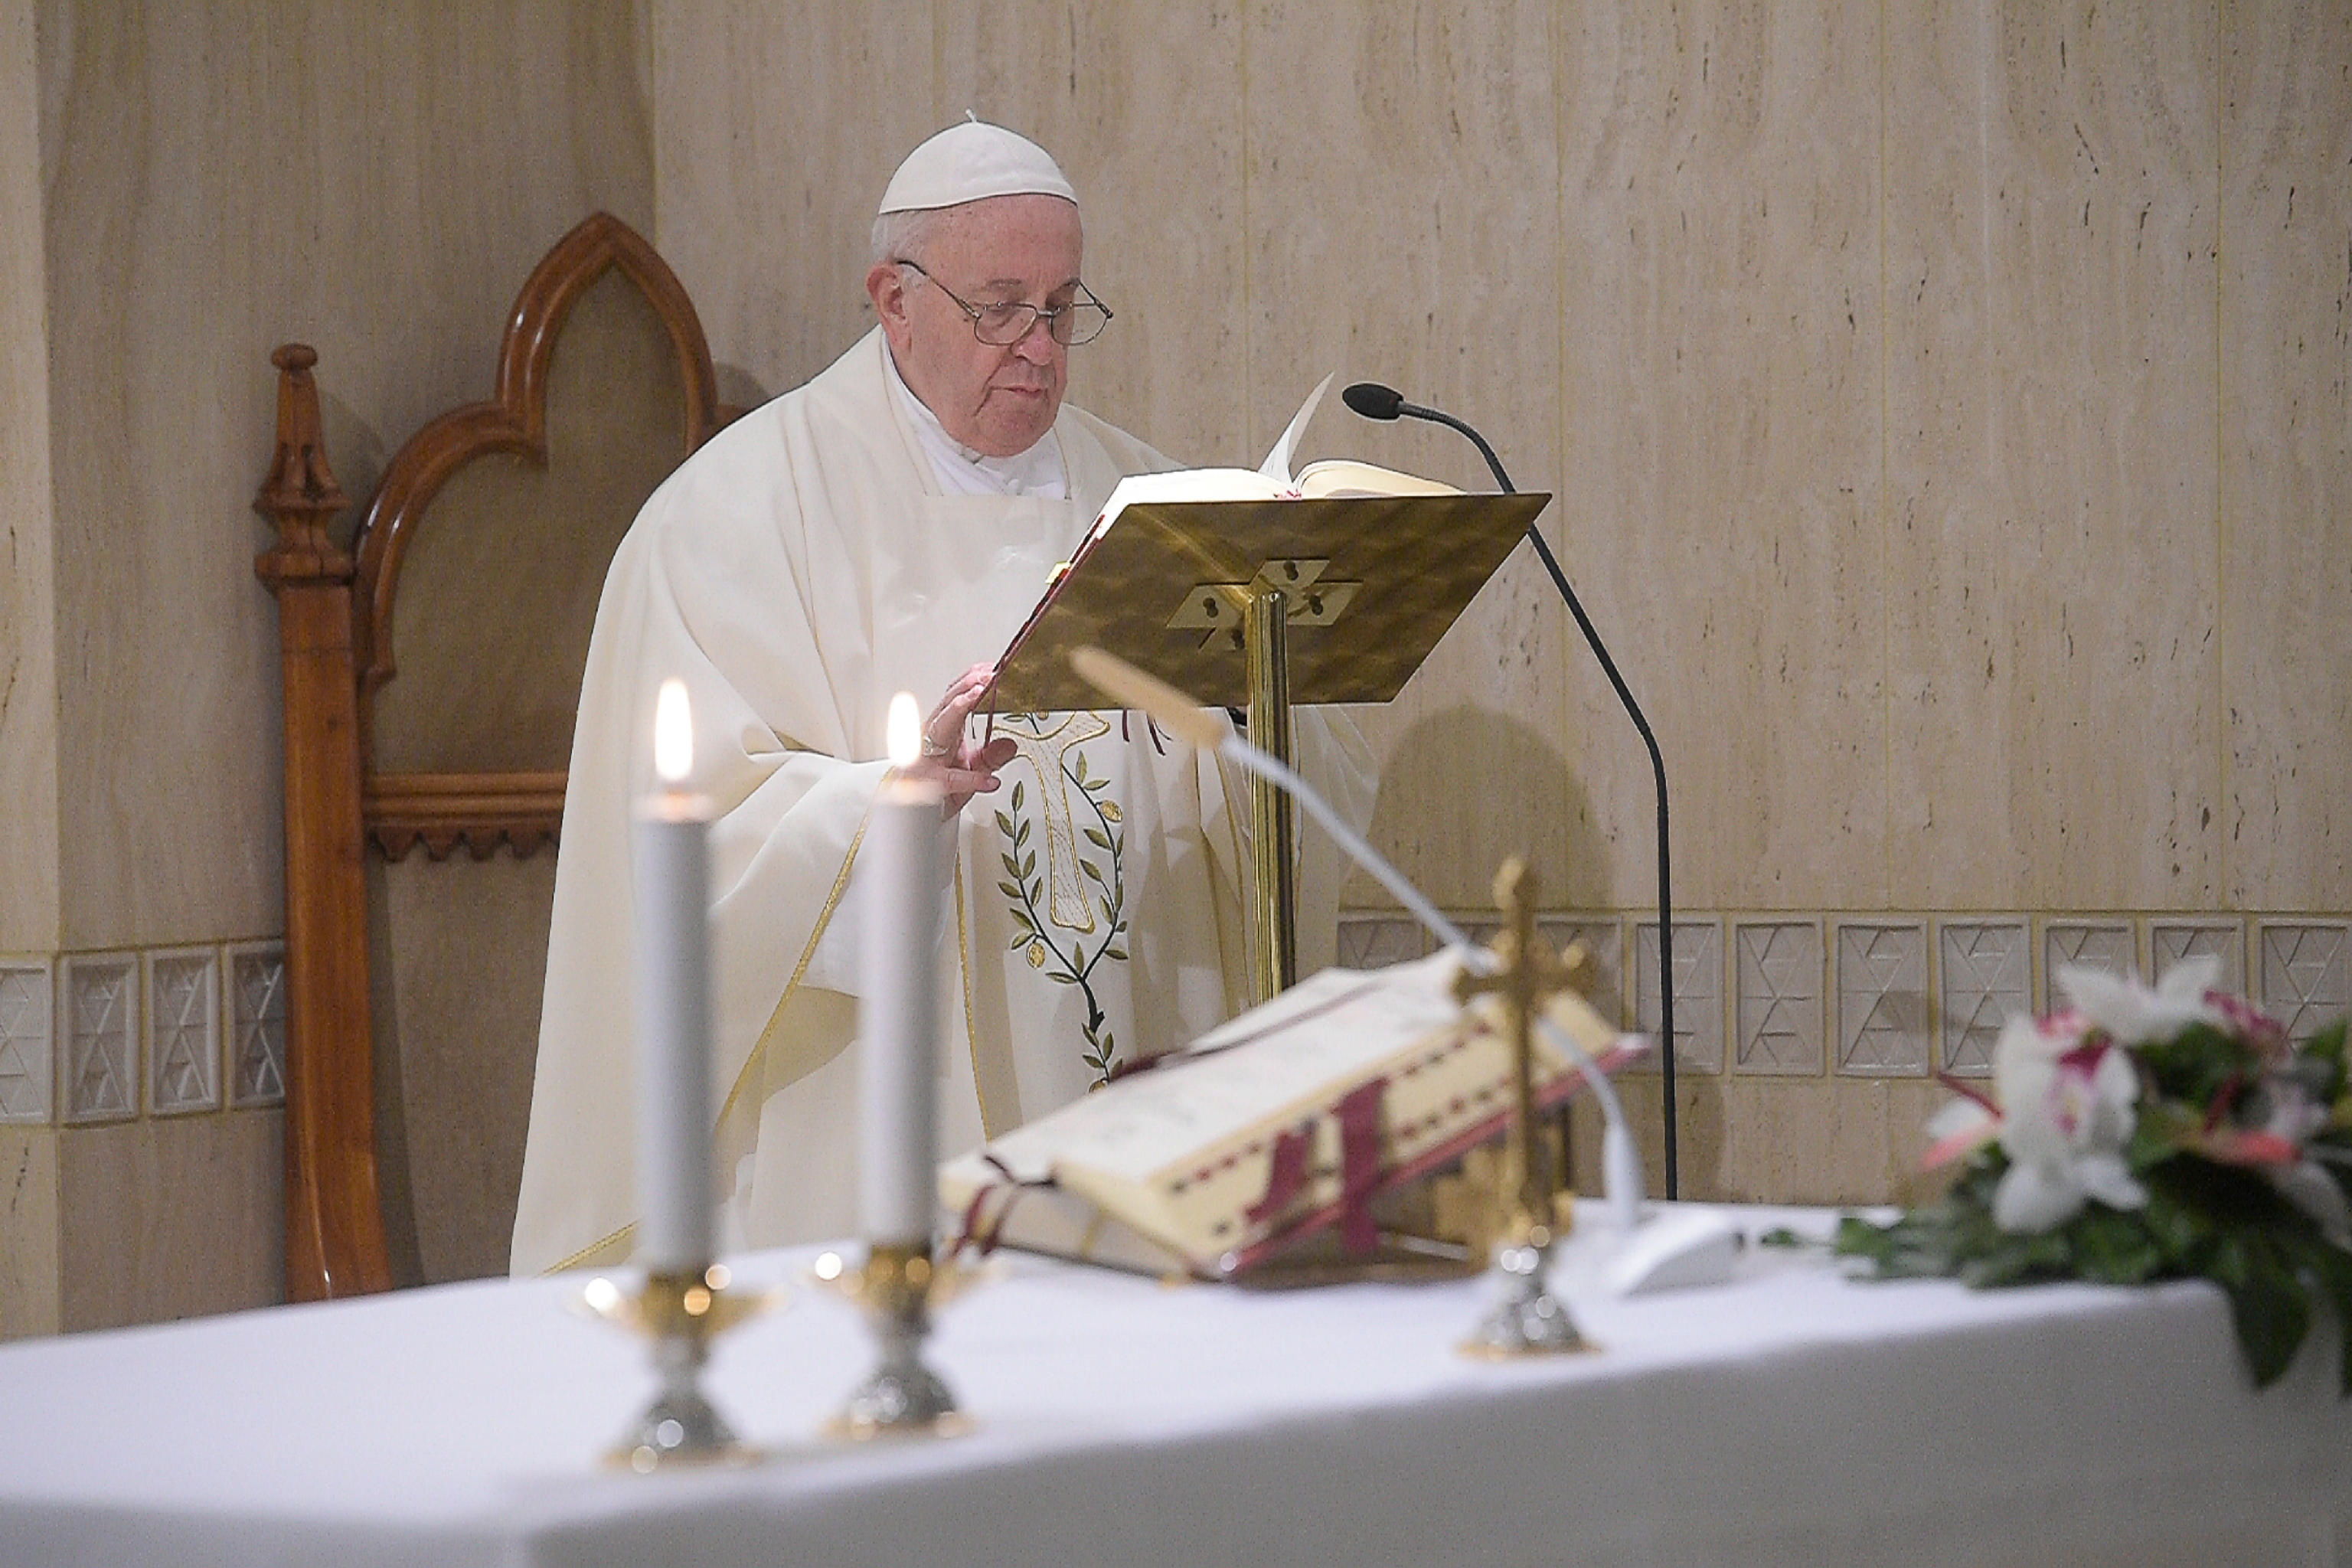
x: 879, y: 530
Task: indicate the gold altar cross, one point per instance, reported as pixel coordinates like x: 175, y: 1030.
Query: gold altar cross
x: 1527, y: 975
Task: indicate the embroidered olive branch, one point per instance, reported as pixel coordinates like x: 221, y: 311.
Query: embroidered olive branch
x: 1025, y: 885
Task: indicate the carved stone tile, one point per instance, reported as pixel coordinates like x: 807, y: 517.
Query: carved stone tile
x: 2097, y: 944
x: 2305, y: 972
x: 2170, y: 940
x: 1377, y: 941
x: 1698, y: 994
x: 257, y: 1024
x: 1881, y: 980
x: 101, y: 1079
x: 1779, y: 999
x: 1603, y: 978
x: 182, y: 1030
x: 1988, y: 977
x: 27, y: 990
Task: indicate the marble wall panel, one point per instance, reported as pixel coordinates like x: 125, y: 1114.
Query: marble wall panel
x: 1720, y: 309
x: 29, y: 690
x: 1141, y: 107
x: 2287, y: 452
x: 374, y: 179
x: 28, y: 1231
x: 1402, y: 218
x: 2050, y: 218
x: 170, y: 1219
x: 775, y: 128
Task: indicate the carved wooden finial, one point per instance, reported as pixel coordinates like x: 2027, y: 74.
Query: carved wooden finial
x: 299, y: 494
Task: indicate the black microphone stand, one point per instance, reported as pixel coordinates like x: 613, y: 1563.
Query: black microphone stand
x: 1376, y: 406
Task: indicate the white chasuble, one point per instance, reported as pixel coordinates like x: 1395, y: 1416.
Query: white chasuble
x: 795, y: 572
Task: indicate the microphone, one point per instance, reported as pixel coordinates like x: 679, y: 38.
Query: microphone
x: 1374, y: 401
x: 1620, y: 1158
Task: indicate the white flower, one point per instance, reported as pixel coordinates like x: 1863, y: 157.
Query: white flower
x: 2066, y: 1114
x: 2133, y: 1012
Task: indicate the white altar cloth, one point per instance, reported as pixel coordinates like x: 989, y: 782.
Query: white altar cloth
x: 1790, y: 1417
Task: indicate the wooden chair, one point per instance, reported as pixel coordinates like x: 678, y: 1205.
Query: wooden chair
x: 431, y: 674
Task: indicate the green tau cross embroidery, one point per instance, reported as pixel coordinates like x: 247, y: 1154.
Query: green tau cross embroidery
x: 1071, y: 910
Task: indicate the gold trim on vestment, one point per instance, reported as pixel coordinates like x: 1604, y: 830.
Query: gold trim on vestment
x: 587, y: 1252
x: 970, y: 1015
x: 758, y: 1047
x: 808, y: 954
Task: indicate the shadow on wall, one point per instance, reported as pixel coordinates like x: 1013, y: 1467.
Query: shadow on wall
x: 1464, y: 789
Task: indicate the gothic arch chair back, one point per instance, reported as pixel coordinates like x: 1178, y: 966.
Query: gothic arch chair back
x: 431, y: 673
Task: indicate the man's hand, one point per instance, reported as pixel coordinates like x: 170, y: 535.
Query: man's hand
x: 959, y: 767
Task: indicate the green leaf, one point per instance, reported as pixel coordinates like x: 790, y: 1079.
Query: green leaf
x: 1097, y: 838
x: 1004, y: 822
x: 1091, y: 870
x: 1011, y: 866
x: 1022, y: 836
x: 2266, y: 1303
x: 1019, y: 788
x: 1061, y: 977
x: 1118, y: 955
x: 1029, y: 863
x: 1008, y: 889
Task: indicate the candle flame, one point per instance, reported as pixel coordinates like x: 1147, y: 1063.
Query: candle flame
x: 904, y: 730
x: 673, y: 734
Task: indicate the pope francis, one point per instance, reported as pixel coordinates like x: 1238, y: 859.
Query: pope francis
x: 877, y: 530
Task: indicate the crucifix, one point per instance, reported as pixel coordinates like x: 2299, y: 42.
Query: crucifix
x: 1527, y: 1320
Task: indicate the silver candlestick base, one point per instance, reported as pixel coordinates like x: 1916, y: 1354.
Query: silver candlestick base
x: 680, y: 1313
x: 1527, y: 1319
x: 902, y: 1397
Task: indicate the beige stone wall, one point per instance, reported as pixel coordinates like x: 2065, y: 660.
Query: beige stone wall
x: 182, y: 188
x: 1947, y: 405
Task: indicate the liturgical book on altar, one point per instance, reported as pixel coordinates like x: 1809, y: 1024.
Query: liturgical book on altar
x: 1284, y: 1122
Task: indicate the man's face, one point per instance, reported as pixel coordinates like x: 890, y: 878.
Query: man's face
x: 997, y: 401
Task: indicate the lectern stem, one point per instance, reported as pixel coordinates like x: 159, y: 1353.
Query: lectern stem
x: 1274, y: 967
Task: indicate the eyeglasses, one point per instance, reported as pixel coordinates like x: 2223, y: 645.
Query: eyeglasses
x: 1002, y: 325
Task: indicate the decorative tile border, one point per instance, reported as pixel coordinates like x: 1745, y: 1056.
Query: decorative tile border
x: 1698, y: 992
x: 183, y: 1024
x: 1778, y: 1006
x: 1882, y: 984
x: 27, y: 1059
x: 99, y: 1001
x: 1375, y: 942
x: 1899, y: 994
x: 2169, y: 941
x: 2104, y: 944
x: 1987, y: 977
x: 2304, y: 972
x: 1602, y: 977
x: 256, y: 1024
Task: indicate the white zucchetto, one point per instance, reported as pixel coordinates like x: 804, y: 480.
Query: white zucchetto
x: 971, y: 162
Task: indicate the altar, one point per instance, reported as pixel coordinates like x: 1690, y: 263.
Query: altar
x: 1791, y: 1416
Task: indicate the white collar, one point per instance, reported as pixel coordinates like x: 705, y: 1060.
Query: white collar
x: 1039, y: 471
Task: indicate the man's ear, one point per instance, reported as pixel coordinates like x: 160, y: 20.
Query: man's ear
x: 886, y: 285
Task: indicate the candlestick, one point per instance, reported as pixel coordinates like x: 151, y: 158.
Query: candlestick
x: 672, y: 1006
x: 902, y: 877
x: 899, y: 1012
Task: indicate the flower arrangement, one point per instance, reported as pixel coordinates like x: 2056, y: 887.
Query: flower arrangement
x: 2144, y: 1134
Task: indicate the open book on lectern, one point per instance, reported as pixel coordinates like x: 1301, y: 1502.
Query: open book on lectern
x: 1375, y: 564
x: 1282, y: 1124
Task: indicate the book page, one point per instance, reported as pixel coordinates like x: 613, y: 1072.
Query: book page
x: 1277, y: 465
x: 1338, y: 1024
x: 1347, y: 476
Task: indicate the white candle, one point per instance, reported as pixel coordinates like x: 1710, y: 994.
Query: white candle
x: 900, y: 873
x: 673, y: 1004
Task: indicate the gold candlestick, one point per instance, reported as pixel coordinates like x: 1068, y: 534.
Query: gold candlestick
x: 680, y: 1313
x: 902, y: 1397
x: 1527, y: 1318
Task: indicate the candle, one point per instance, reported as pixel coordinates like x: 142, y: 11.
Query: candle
x: 673, y: 1004
x: 901, y: 875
